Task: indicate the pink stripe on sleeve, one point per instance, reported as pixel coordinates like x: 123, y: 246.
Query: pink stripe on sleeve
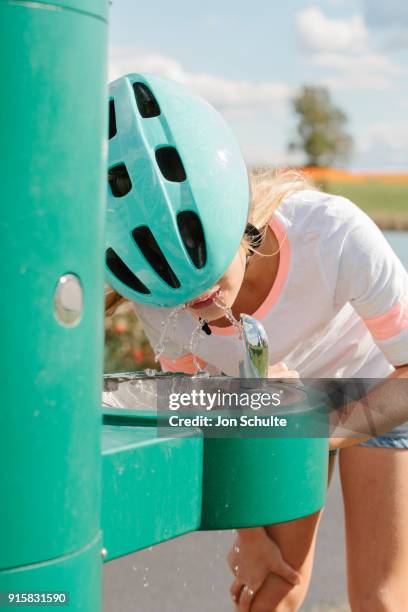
x: 185, y: 363
x: 391, y: 323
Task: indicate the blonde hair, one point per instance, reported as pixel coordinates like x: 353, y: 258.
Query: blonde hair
x: 268, y: 188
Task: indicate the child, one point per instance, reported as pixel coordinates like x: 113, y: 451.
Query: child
x: 312, y: 267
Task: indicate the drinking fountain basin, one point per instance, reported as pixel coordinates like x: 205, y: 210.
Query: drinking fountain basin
x: 246, y: 481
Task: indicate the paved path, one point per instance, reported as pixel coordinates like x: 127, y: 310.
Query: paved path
x: 189, y: 574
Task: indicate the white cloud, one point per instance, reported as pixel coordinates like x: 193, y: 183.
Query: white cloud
x: 368, y: 70
x: 123, y: 60
x: 345, y: 48
x: 369, y: 62
x: 383, y: 145
x: 222, y: 92
x: 319, y: 33
x: 355, y: 81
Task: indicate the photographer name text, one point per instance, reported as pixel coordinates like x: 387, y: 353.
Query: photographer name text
x: 222, y: 421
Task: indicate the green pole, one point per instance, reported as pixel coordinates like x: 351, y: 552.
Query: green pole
x: 52, y: 184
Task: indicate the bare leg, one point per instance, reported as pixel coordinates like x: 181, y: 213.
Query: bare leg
x: 296, y: 539
x: 375, y: 492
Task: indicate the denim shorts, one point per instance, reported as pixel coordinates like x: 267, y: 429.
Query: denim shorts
x: 397, y: 438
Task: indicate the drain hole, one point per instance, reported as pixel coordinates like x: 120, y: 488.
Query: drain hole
x: 192, y: 235
x: 154, y: 255
x: 145, y: 100
x: 170, y: 164
x: 119, y: 181
x: 123, y: 273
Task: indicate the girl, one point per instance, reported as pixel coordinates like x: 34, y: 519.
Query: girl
x: 312, y: 267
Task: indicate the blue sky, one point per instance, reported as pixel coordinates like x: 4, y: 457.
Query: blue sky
x: 248, y: 59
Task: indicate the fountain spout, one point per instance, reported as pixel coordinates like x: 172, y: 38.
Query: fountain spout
x: 256, y: 346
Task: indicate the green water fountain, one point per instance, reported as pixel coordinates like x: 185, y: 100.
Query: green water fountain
x: 80, y: 486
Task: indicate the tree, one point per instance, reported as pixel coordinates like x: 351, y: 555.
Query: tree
x: 321, y: 132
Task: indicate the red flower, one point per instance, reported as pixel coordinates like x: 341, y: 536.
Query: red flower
x: 138, y: 355
x: 120, y: 327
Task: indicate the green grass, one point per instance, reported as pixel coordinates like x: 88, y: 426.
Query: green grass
x: 374, y: 197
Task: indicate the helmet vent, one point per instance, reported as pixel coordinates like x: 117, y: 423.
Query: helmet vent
x: 112, y: 119
x: 146, y: 102
x: 119, y: 181
x: 154, y: 255
x: 170, y: 164
x: 192, y: 235
x: 123, y: 273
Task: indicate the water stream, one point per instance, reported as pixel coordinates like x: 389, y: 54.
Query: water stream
x: 169, y: 330
x: 218, y: 300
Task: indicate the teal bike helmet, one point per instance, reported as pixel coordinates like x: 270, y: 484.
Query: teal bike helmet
x: 178, y: 194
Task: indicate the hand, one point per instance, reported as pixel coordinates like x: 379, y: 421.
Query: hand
x: 280, y: 370
x: 253, y: 556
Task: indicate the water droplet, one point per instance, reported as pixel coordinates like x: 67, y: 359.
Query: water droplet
x: 201, y: 374
x: 150, y: 372
x: 236, y: 549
